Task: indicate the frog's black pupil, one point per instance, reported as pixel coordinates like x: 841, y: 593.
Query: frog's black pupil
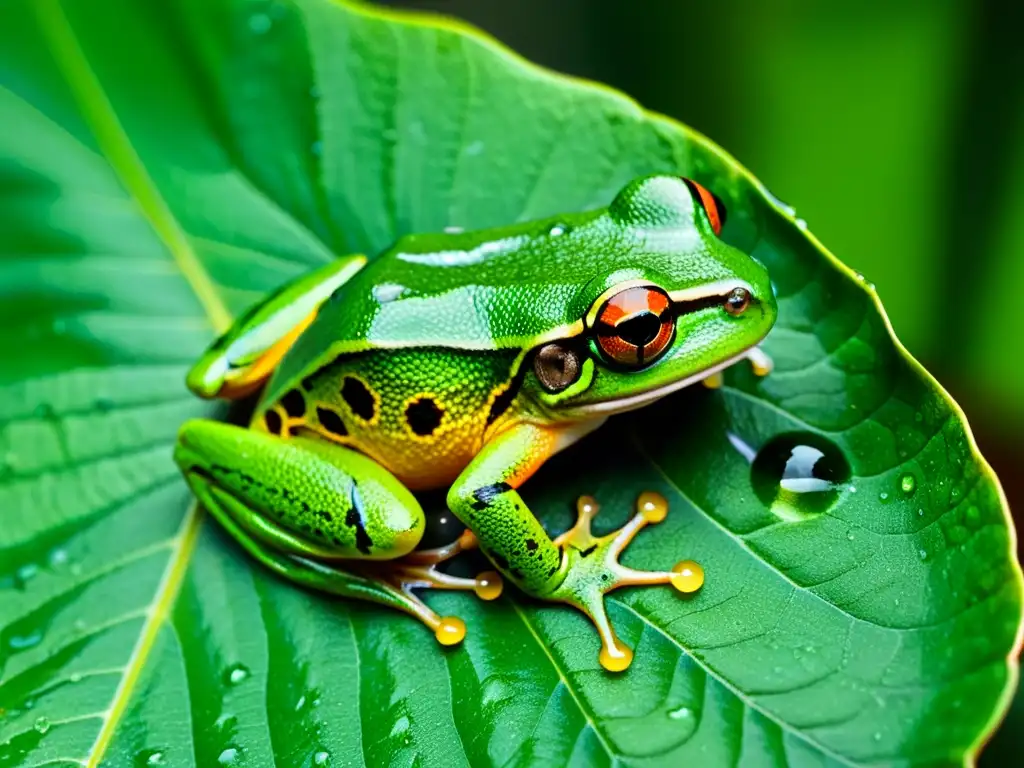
x: 640, y: 330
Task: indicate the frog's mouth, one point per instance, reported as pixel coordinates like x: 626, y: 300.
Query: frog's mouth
x: 641, y: 399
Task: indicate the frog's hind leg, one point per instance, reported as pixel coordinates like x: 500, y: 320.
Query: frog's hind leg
x: 240, y: 361
x: 419, y: 570
x: 318, y: 514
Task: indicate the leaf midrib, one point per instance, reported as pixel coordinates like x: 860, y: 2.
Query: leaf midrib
x: 114, y: 144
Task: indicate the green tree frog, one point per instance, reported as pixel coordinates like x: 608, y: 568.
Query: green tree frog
x: 464, y: 360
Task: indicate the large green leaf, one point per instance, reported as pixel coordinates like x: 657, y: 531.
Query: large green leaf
x: 162, y: 165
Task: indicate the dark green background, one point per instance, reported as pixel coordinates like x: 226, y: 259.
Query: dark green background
x: 896, y: 130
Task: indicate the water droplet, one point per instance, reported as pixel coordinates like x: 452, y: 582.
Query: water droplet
x: 682, y: 713
x: 236, y: 674
x: 317, y: 148
x: 920, y: 512
x: 883, y: 496
x: 150, y: 757
x: 786, y: 207
x: 877, y: 736
x: 923, y: 554
x: 25, y: 574
x: 798, y: 473
x: 42, y: 725
x: 24, y: 642
x: 57, y: 558
x: 259, y: 23
x: 228, y: 756
x: 321, y: 758
x: 316, y: 702
x: 800, y: 224
x: 300, y: 703
x: 908, y: 484
x: 556, y: 230
x: 454, y: 230
x: 75, y: 677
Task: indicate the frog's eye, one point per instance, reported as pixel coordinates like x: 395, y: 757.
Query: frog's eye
x: 635, y: 325
x: 712, y: 204
x: 557, y: 366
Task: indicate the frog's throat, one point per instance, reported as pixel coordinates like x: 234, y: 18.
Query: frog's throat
x: 642, y: 399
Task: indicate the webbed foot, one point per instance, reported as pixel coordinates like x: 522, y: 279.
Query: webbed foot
x: 593, y: 570
x: 418, y: 570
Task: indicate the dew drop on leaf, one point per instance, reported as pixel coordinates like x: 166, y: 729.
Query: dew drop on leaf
x: 236, y: 674
x: 321, y: 758
x: 228, y: 756
x: 908, y: 484
x: 150, y: 757
x: 680, y: 714
x: 75, y: 677
x: 923, y: 554
x: 24, y: 642
x: 57, y: 558
x: 799, y: 474
x: 883, y: 496
x: 42, y: 725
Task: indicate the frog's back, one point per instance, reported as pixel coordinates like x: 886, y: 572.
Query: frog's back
x: 495, y: 289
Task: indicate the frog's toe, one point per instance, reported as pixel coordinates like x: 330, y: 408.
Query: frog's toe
x: 760, y: 362
x: 418, y: 570
x: 593, y: 570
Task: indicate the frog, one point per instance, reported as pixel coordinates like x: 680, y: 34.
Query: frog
x: 463, y: 361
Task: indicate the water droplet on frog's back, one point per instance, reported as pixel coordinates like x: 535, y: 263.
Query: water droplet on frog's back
x: 798, y: 474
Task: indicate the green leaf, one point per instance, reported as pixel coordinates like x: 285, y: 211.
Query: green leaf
x: 163, y: 165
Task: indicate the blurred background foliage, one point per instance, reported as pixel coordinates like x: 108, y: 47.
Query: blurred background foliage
x: 894, y: 127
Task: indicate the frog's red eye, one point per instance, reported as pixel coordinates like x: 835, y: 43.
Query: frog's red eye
x: 635, y: 326
x: 711, y: 203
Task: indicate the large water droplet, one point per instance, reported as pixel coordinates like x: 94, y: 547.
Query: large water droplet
x: 42, y: 725
x: 236, y: 674
x: 798, y: 474
x: 321, y: 758
x: 228, y: 756
x: 908, y: 484
x: 682, y: 713
x: 150, y: 757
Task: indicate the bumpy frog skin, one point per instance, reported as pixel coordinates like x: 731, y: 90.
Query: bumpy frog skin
x: 465, y: 360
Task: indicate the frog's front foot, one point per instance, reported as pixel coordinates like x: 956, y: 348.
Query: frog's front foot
x: 592, y: 569
x: 760, y: 363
